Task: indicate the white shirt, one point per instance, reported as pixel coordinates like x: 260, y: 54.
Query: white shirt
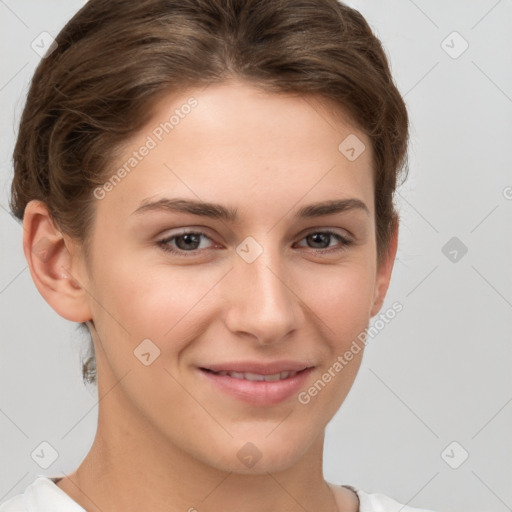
x: 43, y: 495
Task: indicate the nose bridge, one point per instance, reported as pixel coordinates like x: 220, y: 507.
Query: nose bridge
x: 264, y: 305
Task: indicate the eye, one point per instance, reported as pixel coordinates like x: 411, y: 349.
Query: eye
x: 323, y: 238
x: 186, y: 242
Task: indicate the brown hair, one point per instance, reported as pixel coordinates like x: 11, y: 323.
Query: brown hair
x: 114, y: 58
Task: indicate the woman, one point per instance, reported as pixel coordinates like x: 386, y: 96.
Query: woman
x: 207, y: 186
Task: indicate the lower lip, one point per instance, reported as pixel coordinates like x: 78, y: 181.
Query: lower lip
x: 259, y: 392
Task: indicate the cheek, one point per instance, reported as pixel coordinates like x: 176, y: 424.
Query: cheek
x: 156, y: 301
x: 341, y: 297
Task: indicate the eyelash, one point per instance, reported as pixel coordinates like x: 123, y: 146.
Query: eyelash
x: 163, y: 244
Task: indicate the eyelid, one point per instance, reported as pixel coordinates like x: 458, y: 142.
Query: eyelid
x: 196, y: 230
x: 337, y: 231
x: 190, y: 231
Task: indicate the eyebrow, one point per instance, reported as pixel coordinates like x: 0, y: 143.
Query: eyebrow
x: 218, y: 211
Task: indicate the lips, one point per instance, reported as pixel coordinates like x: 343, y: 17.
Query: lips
x: 259, y: 368
x: 257, y: 383
x: 257, y: 377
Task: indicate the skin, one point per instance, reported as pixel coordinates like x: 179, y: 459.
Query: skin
x: 167, y: 440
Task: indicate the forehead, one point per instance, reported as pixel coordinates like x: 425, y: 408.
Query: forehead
x: 235, y: 141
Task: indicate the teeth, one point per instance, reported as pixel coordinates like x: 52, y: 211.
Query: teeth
x: 236, y: 375
x: 256, y: 377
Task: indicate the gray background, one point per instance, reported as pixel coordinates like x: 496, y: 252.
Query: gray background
x: 438, y: 373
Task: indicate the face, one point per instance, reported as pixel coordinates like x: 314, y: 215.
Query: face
x: 263, y: 283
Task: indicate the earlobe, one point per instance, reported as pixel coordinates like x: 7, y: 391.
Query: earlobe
x: 384, y: 271
x: 53, y: 264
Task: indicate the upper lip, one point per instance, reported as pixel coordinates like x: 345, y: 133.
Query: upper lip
x: 259, y: 368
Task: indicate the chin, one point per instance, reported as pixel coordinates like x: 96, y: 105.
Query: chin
x: 265, y: 451
x: 268, y: 463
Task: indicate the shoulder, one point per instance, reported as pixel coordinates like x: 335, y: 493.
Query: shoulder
x: 42, y: 494
x: 14, y: 504
x: 376, y: 502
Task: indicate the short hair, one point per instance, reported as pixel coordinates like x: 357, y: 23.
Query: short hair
x: 115, y: 58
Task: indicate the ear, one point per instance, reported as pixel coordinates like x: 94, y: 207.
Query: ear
x: 55, y: 267
x: 384, y: 271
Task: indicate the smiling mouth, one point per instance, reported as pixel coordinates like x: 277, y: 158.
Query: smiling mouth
x: 259, y: 389
x: 256, y: 377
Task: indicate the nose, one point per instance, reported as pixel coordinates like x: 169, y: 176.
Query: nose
x: 262, y: 301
